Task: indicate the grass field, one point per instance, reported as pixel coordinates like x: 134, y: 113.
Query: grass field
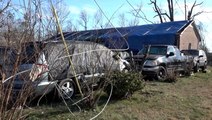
x: 190, y: 98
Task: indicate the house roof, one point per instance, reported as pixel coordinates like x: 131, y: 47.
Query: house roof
x: 136, y: 36
x: 149, y: 29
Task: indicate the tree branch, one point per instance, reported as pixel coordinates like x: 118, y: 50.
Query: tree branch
x: 198, y: 13
x: 137, y: 11
x: 192, y: 8
x: 8, y: 4
x: 171, y: 10
x: 157, y: 10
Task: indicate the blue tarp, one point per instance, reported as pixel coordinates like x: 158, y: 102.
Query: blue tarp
x: 136, y: 36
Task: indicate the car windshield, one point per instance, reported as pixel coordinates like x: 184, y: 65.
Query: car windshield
x: 154, y: 50
x: 142, y: 52
x: 190, y: 52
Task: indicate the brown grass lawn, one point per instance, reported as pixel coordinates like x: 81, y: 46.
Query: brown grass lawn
x: 190, y: 98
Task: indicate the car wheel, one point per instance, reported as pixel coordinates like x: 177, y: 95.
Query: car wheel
x: 196, y: 68
x: 162, y: 74
x: 66, y: 89
x: 204, y: 67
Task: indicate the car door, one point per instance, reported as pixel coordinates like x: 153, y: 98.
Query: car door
x: 171, y: 60
x: 179, y: 60
x: 202, y: 58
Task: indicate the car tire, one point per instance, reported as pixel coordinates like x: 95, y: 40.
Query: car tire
x: 66, y: 89
x: 196, y: 68
x: 204, y: 67
x: 162, y: 74
x: 188, y: 69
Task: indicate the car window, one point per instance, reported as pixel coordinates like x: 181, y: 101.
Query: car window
x: 177, y: 51
x: 143, y: 51
x: 204, y: 54
x: 191, y: 52
x: 201, y: 53
x: 158, y: 50
x: 30, y: 53
x: 154, y: 50
x: 170, y: 49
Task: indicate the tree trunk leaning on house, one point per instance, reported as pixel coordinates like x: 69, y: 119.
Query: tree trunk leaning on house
x: 87, y: 58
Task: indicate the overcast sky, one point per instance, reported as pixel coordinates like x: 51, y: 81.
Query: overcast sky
x: 116, y: 7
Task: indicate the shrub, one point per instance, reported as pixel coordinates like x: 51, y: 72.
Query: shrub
x: 172, y: 75
x: 125, y: 84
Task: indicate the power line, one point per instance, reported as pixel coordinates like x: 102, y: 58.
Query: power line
x: 109, y: 20
x: 176, y: 2
x: 138, y: 13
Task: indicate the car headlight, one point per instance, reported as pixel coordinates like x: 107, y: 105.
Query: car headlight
x: 150, y: 63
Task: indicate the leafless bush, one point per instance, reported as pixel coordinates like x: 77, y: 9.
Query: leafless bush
x: 15, y: 36
x: 12, y: 101
x: 172, y: 75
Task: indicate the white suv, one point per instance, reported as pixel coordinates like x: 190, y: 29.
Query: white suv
x: 199, y: 58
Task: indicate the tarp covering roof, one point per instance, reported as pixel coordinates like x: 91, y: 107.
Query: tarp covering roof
x: 135, y: 36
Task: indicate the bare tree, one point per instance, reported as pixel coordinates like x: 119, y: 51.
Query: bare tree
x: 201, y: 30
x: 162, y: 14
x: 83, y: 19
x: 98, y: 19
x: 45, y: 17
x: 138, y: 13
x: 70, y: 27
x: 31, y: 25
x: 122, y: 20
x: 190, y: 12
x: 108, y: 24
x: 171, y: 10
x: 4, y: 7
x: 3, y: 12
x: 133, y: 22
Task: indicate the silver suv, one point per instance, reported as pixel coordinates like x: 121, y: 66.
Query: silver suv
x: 199, y: 58
x: 161, y: 61
x: 43, y: 67
x: 26, y: 70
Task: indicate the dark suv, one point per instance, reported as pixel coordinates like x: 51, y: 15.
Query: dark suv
x: 199, y: 58
x: 159, y: 61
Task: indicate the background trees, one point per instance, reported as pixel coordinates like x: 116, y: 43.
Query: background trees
x: 168, y: 12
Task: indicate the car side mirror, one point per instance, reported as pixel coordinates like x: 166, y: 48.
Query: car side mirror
x: 170, y: 54
x: 200, y: 56
x: 116, y: 57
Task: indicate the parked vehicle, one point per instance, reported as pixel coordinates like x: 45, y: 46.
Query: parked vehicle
x: 199, y: 58
x: 5, y: 52
x: 41, y: 70
x: 17, y: 67
x: 160, y: 61
x: 88, y: 60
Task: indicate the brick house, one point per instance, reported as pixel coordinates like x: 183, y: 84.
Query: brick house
x: 183, y: 34
x: 189, y: 37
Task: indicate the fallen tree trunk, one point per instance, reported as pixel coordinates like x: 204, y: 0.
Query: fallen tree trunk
x: 86, y: 58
